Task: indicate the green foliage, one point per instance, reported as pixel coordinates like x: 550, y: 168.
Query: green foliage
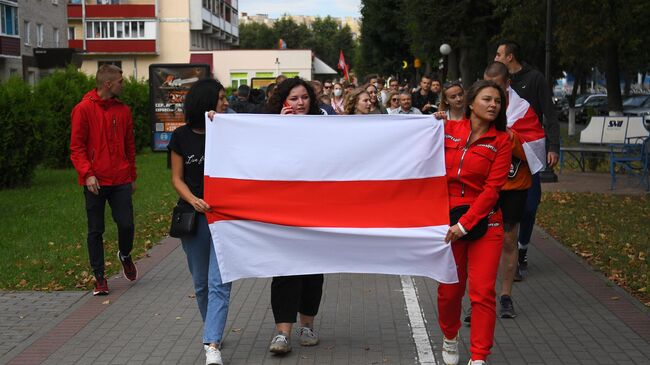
x: 135, y: 94
x: 56, y: 96
x: 21, y: 134
x: 324, y: 38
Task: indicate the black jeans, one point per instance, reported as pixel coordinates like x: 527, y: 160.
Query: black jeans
x: 293, y: 294
x: 119, y: 198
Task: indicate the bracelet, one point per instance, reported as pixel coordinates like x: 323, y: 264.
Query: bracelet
x: 462, y: 229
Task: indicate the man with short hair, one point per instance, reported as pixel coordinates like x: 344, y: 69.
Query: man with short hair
x: 424, y: 99
x: 436, y: 88
x: 405, y: 105
x: 393, y: 85
x: 102, y: 150
x: 327, y: 88
x: 243, y: 103
x: 318, y: 90
x: 531, y: 85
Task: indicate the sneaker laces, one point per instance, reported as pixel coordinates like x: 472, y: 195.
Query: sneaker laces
x: 280, y: 338
x: 450, y: 346
x: 306, y: 331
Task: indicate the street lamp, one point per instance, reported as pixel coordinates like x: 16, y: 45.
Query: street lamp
x: 445, y: 50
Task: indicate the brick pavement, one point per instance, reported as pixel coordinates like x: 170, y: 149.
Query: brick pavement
x: 568, y: 314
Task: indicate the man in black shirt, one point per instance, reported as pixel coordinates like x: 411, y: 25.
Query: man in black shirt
x: 531, y: 85
x: 424, y: 99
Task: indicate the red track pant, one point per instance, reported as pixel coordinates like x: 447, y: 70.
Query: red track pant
x: 480, y: 260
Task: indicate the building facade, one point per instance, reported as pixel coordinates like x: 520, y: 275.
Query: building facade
x: 43, y: 24
x: 10, y: 60
x: 134, y: 34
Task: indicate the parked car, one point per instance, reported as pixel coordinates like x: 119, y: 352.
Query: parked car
x: 586, y: 106
x: 637, y: 105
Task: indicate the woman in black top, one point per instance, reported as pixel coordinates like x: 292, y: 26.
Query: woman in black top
x: 301, y: 294
x: 187, y: 147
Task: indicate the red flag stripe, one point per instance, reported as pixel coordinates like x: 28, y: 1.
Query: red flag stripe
x: 528, y: 127
x: 361, y: 204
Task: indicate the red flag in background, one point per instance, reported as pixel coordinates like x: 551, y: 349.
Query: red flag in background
x: 282, y: 44
x: 343, y: 66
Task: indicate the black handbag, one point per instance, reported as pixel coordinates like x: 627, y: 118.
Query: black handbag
x: 183, y: 221
x: 476, y: 232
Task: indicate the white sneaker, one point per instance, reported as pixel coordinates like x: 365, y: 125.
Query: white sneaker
x: 308, y: 337
x: 476, y: 362
x: 280, y: 344
x: 450, y: 351
x: 212, y: 355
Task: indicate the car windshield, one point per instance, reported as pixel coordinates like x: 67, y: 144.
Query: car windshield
x: 635, y: 101
x: 581, y: 99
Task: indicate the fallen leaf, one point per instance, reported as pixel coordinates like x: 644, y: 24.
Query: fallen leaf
x: 177, y: 318
x: 106, y: 302
x: 236, y: 330
x: 615, y: 298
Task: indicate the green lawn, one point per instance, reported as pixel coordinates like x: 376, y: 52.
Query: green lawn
x: 611, y: 232
x: 43, y: 227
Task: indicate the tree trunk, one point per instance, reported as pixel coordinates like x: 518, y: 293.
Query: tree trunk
x: 452, y: 67
x: 613, y: 77
x: 463, y: 65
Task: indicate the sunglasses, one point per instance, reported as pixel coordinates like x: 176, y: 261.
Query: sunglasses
x: 327, y: 87
x: 394, y: 99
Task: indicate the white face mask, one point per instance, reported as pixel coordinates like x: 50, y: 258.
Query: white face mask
x: 338, y: 92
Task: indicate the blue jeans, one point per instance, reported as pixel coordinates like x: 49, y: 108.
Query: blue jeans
x: 532, y: 202
x: 212, y: 296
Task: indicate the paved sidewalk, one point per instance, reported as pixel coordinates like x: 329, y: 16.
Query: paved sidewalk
x: 568, y: 314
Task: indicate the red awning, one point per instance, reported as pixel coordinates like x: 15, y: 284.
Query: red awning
x: 205, y: 58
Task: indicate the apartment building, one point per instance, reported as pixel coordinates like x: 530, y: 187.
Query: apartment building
x: 134, y: 34
x: 10, y: 61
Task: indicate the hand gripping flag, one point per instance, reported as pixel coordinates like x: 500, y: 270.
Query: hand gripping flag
x: 523, y: 120
x: 294, y: 195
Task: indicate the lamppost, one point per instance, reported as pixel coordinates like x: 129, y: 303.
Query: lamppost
x: 445, y: 50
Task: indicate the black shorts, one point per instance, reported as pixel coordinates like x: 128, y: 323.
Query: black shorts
x: 512, y: 204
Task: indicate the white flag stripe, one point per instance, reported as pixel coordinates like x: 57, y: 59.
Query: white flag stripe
x: 534, y: 151
x: 517, y: 107
x: 324, y: 149
x: 255, y: 249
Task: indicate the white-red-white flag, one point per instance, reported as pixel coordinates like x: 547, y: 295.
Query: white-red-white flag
x: 343, y: 66
x: 295, y: 195
x: 523, y: 120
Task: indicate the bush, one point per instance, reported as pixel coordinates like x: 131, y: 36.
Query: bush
x: 21, y: 135
x: 57, y: 94
x: 135, y: 94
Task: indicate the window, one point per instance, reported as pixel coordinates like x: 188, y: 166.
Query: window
x: 238, y: 78
x: 57, y: 38
x: 120, y: 30
x: 27, y: 33
x: 39, y: 35
x: 71, y: 33
x: 8, y: 20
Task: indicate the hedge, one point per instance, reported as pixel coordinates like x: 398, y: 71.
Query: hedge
x: 21, y: 134
x: 36, y: 125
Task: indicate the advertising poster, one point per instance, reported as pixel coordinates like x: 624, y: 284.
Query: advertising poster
x: 168, y: 85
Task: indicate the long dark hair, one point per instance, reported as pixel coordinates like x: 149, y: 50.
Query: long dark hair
x: 282, y: 90
x: 500, y: 121
x: 202, y: 97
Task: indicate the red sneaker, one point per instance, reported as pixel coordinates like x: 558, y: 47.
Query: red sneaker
x: 101, y: 286
x: 128, y: 267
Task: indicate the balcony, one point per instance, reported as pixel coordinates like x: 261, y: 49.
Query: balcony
x: 9, y: 46
x: 138, y: 11
x: 113, y: 46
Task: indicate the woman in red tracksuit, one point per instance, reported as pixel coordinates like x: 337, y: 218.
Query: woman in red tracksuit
x: 477, y: 157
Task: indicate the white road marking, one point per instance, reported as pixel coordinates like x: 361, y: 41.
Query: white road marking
x: 426, y: 356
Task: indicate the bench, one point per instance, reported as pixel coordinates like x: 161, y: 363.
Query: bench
x: 602, y: 136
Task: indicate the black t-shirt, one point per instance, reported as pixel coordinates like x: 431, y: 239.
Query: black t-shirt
x: 418, y: 100
x: 191, y: 146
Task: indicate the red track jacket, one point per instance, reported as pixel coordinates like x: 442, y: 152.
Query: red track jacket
x: 475, y: 174
x: 102, y: 143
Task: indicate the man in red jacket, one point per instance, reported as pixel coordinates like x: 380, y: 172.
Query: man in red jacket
x: 102, y: 150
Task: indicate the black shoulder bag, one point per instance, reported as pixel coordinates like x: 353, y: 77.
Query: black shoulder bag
x: 476, y: 232
x: 183, y: 221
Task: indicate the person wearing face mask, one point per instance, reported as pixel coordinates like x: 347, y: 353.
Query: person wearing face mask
x: 357, y: 102
x: 338, y: 98
x: 375, y: 106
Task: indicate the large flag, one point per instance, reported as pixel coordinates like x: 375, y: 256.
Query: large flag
x: 294, y: 195
x: 523, y: 120
x: 343, y: 66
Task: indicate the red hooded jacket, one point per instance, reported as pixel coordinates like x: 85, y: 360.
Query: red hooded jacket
x: 475, y: 174
x: 102, y: 143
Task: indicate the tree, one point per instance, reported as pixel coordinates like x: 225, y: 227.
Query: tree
x: 383, y: 44
x: 294, y: 35
x: 257, y: 36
